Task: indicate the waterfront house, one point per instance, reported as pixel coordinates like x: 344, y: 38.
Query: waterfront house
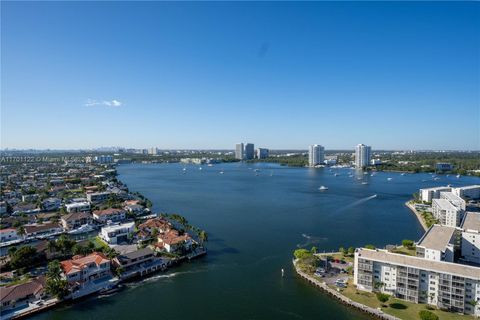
x: 160, y: 224
x: 138, y: 263
x: 76, y: 219
x: 174, y: 242
x: 20, y: 295
x: 115, y: 234
x: 111, y: 214
x: 135, y: 209
x: 87, y: 274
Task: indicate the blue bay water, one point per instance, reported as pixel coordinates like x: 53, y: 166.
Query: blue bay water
x: 254, y: 221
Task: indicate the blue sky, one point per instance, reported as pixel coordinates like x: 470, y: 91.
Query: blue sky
x: 208, y: 75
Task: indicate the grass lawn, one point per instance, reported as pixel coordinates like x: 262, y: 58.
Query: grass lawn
x: 405, y: 250
x: 337, y: 255
x: 99, y: 243
x: 399, y: 308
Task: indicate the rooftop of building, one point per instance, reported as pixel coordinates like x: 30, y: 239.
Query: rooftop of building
x: 437, y: 237
x: 108, y: 211
x: 20, y: 291
x: 76, y: 216
x: 450, y: 196
x: 437, y: 188
x: 77, y: 263
x: 115, y: 227
x: 471, y: 221
x: 469, y: 187
x: 384, y: 256
x: 444, y: 204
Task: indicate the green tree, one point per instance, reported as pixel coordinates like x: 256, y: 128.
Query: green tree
x: 23, y: 257
x: 21, y: 231
x: 427, y: 315
x: 203, y: 236
x: 370, y: 246
x: 382, y: 297
x: 313, y: 250
x: 65, y: 244
x: 351, y: 251
x: 52, y: 246
x: 55, y: 284
x: 407, y: 243
x: 302, y: 254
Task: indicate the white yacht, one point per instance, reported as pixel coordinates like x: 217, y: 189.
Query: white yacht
x: 323, y: 188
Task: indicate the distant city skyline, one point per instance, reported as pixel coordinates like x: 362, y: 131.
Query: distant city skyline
x: 396, y: 76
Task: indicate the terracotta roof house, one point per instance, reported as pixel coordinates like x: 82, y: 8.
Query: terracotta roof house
x: 84, y: 269
x: 172, y: 241
x: 160, y: 224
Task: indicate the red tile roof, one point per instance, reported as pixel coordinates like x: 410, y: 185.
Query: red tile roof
x: 79, y: 262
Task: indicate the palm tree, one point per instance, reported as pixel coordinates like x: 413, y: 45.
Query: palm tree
x: 21, y: 231
x: 203, y: 236
x: 52, y: 246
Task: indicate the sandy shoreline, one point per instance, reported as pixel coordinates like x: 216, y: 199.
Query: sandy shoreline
x: 419, y: 216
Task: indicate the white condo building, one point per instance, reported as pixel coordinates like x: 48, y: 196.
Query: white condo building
x: 362, y: 155
x: 428, y: 194
x: 454, y: 199
x: 446, y: 213
x: 471, y: 237
x: 438, y: 243
x: 316, y: 155
x: 446, y: 285
x: 470, y: 192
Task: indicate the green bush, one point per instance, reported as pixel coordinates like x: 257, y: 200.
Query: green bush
x: 302, y: 254
x: 382, y: 297
x: 427, y: 315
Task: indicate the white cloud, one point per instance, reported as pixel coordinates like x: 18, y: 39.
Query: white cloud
x: 105, y: 103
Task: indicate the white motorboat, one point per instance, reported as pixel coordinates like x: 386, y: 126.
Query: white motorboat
x: 323, y: 188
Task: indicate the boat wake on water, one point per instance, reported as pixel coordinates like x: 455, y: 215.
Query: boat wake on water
x: 356, y: 203
x: 310, y: 240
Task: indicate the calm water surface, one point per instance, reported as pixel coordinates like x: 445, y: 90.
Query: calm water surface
x: 254, y: 223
